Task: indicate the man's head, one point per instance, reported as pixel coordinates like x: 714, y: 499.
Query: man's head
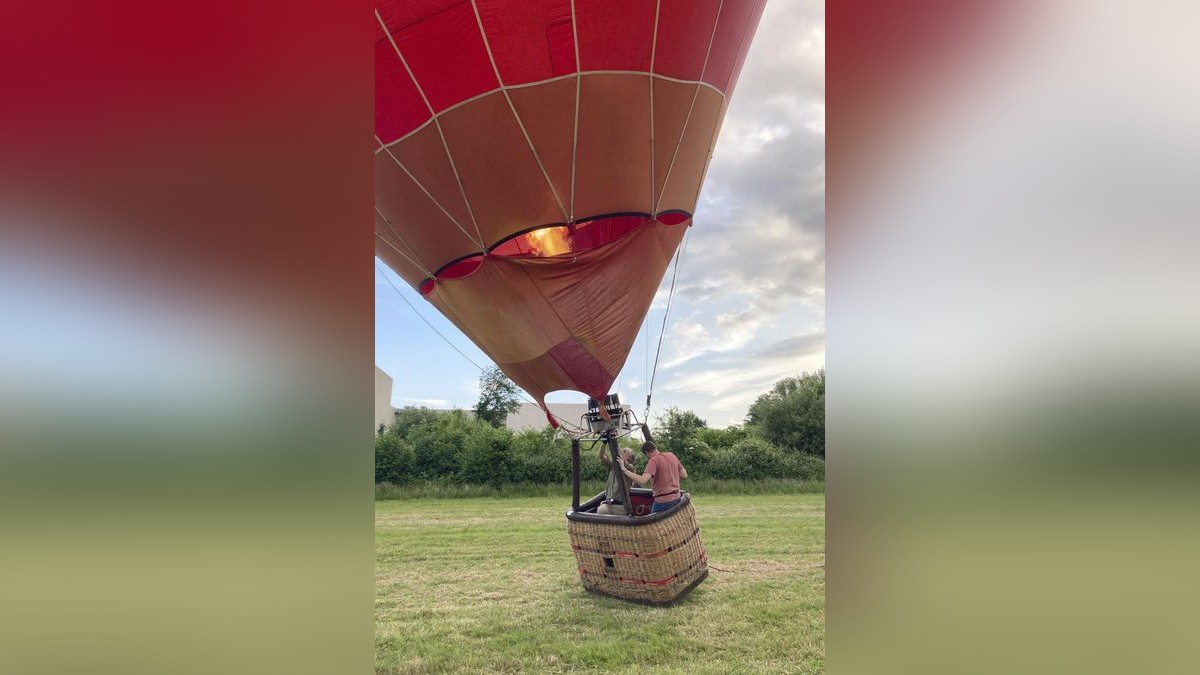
x: 649, y: 448
x: 627, y: 454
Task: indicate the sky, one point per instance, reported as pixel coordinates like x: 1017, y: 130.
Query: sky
x: 749, y: 302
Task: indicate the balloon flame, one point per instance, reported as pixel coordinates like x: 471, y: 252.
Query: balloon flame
x: 548, y: 241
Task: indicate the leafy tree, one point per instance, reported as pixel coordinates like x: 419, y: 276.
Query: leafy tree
x: 498, y: 397
x: 792, y: 414
x: 722, y: 438
x: 677, y: 430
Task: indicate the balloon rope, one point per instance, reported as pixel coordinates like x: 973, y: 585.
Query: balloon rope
x: 666, y: 315
x: 561, y: 421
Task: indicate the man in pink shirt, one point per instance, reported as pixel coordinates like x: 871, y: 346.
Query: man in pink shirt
x: 665, y: 469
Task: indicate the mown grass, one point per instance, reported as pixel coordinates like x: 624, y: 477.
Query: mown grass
x: 488, y: 585
x: 707, y: 486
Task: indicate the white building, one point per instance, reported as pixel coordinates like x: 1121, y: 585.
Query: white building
x: 384, y: 412
x: 530, y: 416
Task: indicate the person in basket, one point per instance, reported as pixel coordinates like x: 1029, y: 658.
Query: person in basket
x: 665, y: 471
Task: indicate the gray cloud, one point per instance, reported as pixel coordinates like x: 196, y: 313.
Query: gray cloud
x: 801, y: 345
x: 750, y: 299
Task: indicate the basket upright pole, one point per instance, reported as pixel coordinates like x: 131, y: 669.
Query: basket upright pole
x: 619, y: 467
x: 574, y: 474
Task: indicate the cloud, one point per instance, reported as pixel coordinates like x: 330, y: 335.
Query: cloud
x: 729, y: 384
x: 801, y: 345
x: 749, y: 302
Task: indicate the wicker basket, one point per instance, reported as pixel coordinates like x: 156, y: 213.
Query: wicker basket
x: 654, y: 559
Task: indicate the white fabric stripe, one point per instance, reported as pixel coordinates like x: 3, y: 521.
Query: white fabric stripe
x: 538, y: 158
x: 453, y: 167
x: 477, y: 242
x: 575, y: 138
x: 695, y: 95
x: 653, y: 51
x: 509, y: 87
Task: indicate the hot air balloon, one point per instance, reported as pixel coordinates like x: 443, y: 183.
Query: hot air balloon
x: 538, y: 163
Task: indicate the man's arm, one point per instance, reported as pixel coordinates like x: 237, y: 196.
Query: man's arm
x: 682, y: 472
x: 644, y: 478
x: 640, y: 480
x: 604, y: 455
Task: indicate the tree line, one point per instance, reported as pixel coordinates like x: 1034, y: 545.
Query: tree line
x: 783, y: 437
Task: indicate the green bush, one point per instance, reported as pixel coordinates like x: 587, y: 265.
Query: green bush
x: 805, y: 467
x: 446, y: 450
x: 486, y: 458
x: 394, y: 459
x: 755, y: 459
x: 540, y: 456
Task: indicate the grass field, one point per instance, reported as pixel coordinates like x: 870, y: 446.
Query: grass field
x: 487, y: 585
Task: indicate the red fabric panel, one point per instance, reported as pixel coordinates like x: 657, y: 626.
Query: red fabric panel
x: 681, y: 187
x: 741, y: 58
x: 505, y: 188
x: 671, y: 103
x: 386, y: 248
x: 519, y: 310
x: 399, y: 14
x: 584, y: 370
x: 519, y: 34
x: 548, y: 112
x: 436, y: 240
x: 595, y: 233
x: 398, y: 106
x: 615, y: 34
x: 462, y: 268
x: 735, y: 27
x: 424, y: 155
x: 501, y: 308
x: 612, y: 171
x: 672, y: 217
x: 560, y: 38
x: 447, y: 56
x: 684, y: 27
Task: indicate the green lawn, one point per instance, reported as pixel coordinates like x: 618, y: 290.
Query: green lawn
x: 482, y: 585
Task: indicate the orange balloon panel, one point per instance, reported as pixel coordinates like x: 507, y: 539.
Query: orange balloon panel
x: 539, y: 160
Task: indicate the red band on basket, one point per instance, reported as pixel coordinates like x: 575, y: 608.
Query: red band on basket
x: 659, y: 582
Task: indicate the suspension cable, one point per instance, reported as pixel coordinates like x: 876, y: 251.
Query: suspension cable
x: 666, y: 315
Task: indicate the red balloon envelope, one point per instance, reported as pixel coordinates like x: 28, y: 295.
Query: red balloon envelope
x: 539, y: 161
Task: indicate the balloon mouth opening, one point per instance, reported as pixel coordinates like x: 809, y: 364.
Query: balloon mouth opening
x: 560, y: 239
x: 556, y: 240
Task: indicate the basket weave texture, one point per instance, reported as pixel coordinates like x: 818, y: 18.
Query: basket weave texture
x: 655, y: 563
